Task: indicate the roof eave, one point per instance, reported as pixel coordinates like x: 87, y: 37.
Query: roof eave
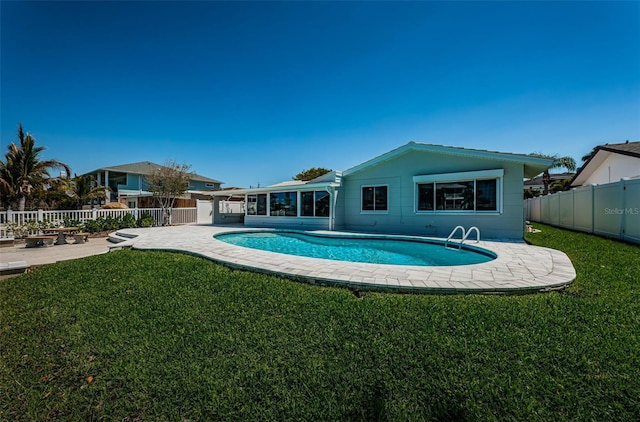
x: 268, y: 189
x: 533, y: 165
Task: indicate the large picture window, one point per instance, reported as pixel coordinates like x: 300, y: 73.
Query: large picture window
x: 375, y: 198
x: 284, y: 204
x: 455, y: 196
x: 459, y: 192
x: 315, y: 204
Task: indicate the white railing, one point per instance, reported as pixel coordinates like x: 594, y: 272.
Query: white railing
x: 57, y: 217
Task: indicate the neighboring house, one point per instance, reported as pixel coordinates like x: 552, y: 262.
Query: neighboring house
x: 128, y: 184
x: 536, y: 183
x: 610, y: 163
x: 417, y: 189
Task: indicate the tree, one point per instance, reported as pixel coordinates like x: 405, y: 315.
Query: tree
x: 560, y: 185
x: 558, y: 162
x: 83, y: 189
x: 167, y: 183
x: 311, y: 173
x: 590, y: 154
x: 22, y: 170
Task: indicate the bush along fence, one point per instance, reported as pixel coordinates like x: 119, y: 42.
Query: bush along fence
x: 20, y: 224
x: 611, y: 210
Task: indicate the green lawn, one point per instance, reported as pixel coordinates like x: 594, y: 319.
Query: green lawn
x: 136, y: 335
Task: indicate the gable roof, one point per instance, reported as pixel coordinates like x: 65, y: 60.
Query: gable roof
x: 147, y: 167
x: 532, y: 165
x: 627, y: 148
x: 601, y: 153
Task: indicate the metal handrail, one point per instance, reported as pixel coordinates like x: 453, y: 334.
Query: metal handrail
x: 446, y: 243
x: 465, y: 235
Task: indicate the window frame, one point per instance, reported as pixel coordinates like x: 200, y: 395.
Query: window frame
x: 467, y: 176
x: 373, y: 211
x: 272, y: 205
x: 248, y: 206
x: 314, y: 203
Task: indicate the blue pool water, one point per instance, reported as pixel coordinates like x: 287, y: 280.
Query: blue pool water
x: 374, y: 250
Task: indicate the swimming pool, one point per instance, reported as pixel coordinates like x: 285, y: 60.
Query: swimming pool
x: 368, y: 249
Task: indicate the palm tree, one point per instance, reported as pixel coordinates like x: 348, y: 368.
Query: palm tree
x: 588, y: 156
x: 558, y: 162
x: 23, y: 171
x: 83, y: 189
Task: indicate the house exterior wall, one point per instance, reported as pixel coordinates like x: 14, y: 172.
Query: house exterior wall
x: 199, y: 185
x: 398, y: 172
x: 614, y: 168
x: 298, y: 223
x: 134, y: 181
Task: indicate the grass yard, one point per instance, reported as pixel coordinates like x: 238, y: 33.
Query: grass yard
x: 159, y: 336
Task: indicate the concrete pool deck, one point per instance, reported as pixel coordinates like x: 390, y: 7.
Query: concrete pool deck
x: 518, y: 268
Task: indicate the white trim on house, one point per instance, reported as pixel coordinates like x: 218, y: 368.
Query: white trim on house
x: 454, y: 177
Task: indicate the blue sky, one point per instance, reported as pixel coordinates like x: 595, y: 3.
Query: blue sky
x: 252, y: 93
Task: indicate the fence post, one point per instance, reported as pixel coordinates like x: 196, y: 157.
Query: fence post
x: 573, y: 209
x: 94, y: 214
x: 40, y: 215
x: 623, y: 197
x: 9, y: 215
x: 593, y: 208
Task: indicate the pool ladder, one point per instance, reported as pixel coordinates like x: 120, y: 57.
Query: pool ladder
x: 465, y: 235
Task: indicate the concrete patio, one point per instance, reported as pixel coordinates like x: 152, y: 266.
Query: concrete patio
x: 518, y: 268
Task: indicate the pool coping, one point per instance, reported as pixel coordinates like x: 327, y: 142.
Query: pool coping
x: 519, y: 268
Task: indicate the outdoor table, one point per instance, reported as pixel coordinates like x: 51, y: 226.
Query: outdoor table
x: 62, y: 234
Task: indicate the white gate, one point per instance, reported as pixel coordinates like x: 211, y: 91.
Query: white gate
x: 205, y: 211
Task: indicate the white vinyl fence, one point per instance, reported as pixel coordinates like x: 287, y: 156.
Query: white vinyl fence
x: 611, y: 210
x: 178, y: 216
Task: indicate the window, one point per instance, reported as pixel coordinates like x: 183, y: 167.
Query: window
x: 487, y: 195
x: 425, y: 197
x: 257, y: 204
x: 476, y: 191
x: 322, y: 204
x: 307, y: 204
x: 284, y: 204
x: 315, y: 204
x: 374, y: 198
x: 455, y: 196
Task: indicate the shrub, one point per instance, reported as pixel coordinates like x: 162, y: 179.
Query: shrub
x: 30, y: 227
x: 146, y: 220
x: 128, y: 220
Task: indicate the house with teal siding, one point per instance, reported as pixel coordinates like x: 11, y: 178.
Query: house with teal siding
x: 128, y: 182
x: 416, y: 189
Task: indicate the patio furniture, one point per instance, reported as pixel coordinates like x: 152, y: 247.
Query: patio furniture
x: 62, y: 233
x: 35, y: 241
x: 81, y: 237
